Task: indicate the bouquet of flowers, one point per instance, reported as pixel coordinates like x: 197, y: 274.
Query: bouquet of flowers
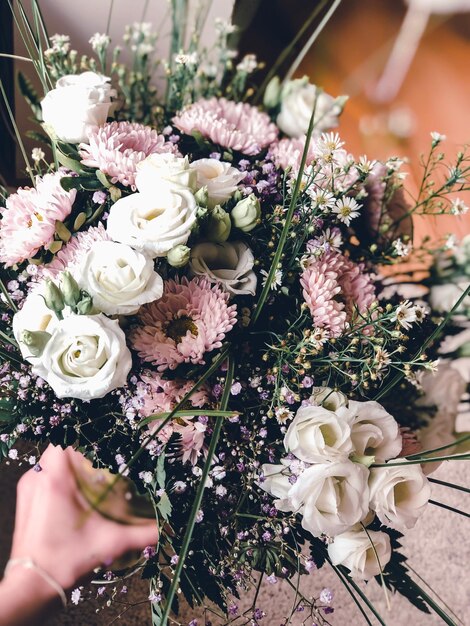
x: 193, y: 297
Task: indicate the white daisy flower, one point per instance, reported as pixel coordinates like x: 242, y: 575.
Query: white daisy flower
x: 347, y: 209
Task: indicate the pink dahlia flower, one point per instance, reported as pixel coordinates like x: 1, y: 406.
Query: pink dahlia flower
x: 287, y: 153
x: 235, y: 125
x: 157, y: 395
x: 116, y: 149
x: 334, y: 288
x: 190, y: 319
x: 73, y: 252
x: 29, y: 218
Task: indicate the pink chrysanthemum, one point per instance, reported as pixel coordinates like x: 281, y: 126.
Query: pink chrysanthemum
x: 29, y: 218
x: 72, y: 254
x: 334, y: 288
x: 190, y: 319
x: 116, y: 149
x: 287, y: 153
x: 235, y: 125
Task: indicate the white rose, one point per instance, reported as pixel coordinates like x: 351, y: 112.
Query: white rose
x: 297, y: 104
x: 153, y: 224
x: 331, y: 497
x: 33, y: 316
x: 118, y: 278
x: 317, y: 435
x: 327, y: 398
x: 78, y: 102
x: 442, y: 298
x: 399, y: 494
x: 86, y: 357
x: 219, y: 177
x: 229, y: 263
x: 374, y: 432
x: 364, y: 554
x: 164, y: 171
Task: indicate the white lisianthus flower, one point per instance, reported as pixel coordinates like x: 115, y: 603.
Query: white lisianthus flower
x: 298, y: 100
x: 219, y: 177
x: 398, y: 494
x: 78, y: 102
x: 331, y: 497
x: 118, y: 278
x: 328, y: 399
x: 276, y: 483
x: 374, y: 432
x: 363, y: 553
x: 442, y: 298
x: 229, y: 263
x: 153, y: 224
x: 34, y: 316
x: 164, y: 172
x: 317, y: 435
x: 86, y: 357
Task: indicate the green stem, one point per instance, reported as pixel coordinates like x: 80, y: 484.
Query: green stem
x: 198, y: 499
x: 345, y: 581
x: 448, y: 445
x: 426, y: 343
x: 450, y: 485
x: 290, y: 213
x: 311, y: 40
x: 449, y: 508
x: 456, y: 457
x: 17, y: 132
x: 187, y: 413
x: 286, y: 52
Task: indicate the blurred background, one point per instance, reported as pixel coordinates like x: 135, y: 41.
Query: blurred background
x: 404, y: 64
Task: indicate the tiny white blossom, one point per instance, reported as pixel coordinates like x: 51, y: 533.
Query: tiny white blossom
x: 37, y: 154
x: 331, y: 239
x: 321, y: 198
x: 405, y: 314
x: 13, y: 454
x: 319, y: 337
x: 364, y: 165
x: 347, y: 209
x: 186, y: 59
x: 451, y: 242
x: 99, y: 41
x: 60, y: 45
x: 458, y: 207
x: 248, y: 64
x: 76, y: 595
x: 283, y: 414
x: 437, y: 137
x: 223, y: 27
x: 276, y: 281
x: 402, y: 249
x: 327, y: 145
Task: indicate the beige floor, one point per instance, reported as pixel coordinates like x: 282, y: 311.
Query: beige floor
x: 438, y: 549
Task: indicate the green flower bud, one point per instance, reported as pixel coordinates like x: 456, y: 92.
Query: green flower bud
x: 85, y: 306
x: 218, y: 225
x: 53, y: 297
x: 202, y: 196
x: 70, y: 289
x: 178, y: 256
x: 272, y: 93
x: 35, y: 340
x: 246, y: 213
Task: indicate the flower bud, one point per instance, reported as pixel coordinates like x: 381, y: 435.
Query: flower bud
x: 35, y: 340
x: 85, y: 306
x: 246, y: 213
x: 218, y: 225
x: 179, y: 256
x: 272, y: 93
x: 70, y: 289
x: 202, y: 196
x: 53, y: 297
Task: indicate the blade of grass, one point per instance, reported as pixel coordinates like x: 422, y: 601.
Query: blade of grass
x: 448, y: 445
x: 198, y: 499
x: 311, y: 40
x: 449, y: 508
x: 187, y: 413
x: 18, y: 139
x: 456, y: 457
x: 446, y: 484
x: 435, y: 593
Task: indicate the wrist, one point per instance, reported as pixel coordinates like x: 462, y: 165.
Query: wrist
x: 24, y: 580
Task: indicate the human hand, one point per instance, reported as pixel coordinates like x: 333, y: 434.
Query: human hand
x: 63, y: 535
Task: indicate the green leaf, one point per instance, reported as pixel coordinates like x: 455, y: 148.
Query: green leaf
x: 29, y: 93
x: 39, y: 137
x: 101, y: 176
x: 69, y: 163
x: 160, y: 470
x: 62, y: 230
x: 164, y: 506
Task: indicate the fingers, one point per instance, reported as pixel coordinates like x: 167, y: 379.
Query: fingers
x: 122, y: 538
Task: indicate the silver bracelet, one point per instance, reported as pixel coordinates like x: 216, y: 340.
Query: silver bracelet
x: 28, y: 563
